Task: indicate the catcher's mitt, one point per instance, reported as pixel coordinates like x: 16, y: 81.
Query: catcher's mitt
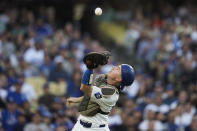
x: 94, y: 59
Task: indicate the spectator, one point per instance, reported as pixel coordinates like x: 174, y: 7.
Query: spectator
x: 63, y: 121
x: 34, y: 55
x: 133, y: 90
x: 26, y: 109
x: 42, y: 29
x: 56, y: 105
x: 11, y: 76
x: 3, y: 92
x: 20, y: 123
x: 184, y: 115
x: 170, y: 96
x: 115, y: 119
x: 57, y: 73
x: 171, y: 126
x: 61, y: 128
x: 157, y: 105
x: 10, y: 115
x: 150, y: 123
x: 74, y: 85
x: 36, y: 124
x: 47, y: 97
x: 131, y: 35
x: 182, y: 99
x: 192, y: 127
x: 46, y: 66
x: 8, y: 47
x: 17, y: 95
x: 26, y: 89
x: 47, y: 119
x: 131, y: 124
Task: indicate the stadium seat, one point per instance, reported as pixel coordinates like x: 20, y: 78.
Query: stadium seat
x: 37, y: 83
x: 58, y: 89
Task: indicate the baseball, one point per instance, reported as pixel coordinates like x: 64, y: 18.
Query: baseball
x: 98, y: 11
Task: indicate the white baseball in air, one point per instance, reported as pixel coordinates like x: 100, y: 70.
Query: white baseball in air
x: 98, y: 11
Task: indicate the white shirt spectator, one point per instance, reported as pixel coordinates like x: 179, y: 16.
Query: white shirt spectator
x: 158, y: 126
x: 130, y: 37
x: 79, y: 52
x: 28, y: 90
x: 34, y: 56
x: 115, y: 120
x: 3, y: 93
x: 132, y: 90
x: 194, y: 35
x: 8, y: 48
x: 36, y: 127
x: 162, y: 108
x: 4, y: 18
x: 173, y: 105
x: 185, y: 119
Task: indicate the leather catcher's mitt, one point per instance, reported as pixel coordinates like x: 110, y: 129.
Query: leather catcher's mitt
x: 94, y: 59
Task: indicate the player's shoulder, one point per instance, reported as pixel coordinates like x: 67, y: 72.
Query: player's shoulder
x: 100, y: 77
x: 100, y: 80
x: 109, y: 92
x: 105, y: 96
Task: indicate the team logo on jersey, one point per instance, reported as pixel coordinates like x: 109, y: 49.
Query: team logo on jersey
x: 98, y: 95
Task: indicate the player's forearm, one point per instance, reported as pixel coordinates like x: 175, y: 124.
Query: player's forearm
x: 86, y: 82
x: 73, y: 101
x: 77, y: 99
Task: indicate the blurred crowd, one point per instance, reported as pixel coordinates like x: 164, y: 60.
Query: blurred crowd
x: 32, y: 46
x: 162, y: 48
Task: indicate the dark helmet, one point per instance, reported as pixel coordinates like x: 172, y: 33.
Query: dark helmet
x: 127, y: 74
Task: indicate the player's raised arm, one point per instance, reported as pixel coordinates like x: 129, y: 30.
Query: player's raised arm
x: 86, y: 82
x: 92, y: 61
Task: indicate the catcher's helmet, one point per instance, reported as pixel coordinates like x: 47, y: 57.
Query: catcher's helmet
x: 127, y: 74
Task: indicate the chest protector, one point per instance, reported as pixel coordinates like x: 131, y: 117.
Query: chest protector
x: 88, y: 108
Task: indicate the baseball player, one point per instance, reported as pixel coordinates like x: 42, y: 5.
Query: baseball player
x: 101, y: 94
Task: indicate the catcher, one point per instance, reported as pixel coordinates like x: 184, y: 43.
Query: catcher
x: 101, y: 94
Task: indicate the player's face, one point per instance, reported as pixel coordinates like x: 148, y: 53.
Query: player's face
x: 114, y: 76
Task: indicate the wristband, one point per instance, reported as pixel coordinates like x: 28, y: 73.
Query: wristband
x: 87, y: 77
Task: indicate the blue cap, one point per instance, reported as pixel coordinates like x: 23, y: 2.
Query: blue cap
x: 46, y: 114
x: 169, y: 87
x: 127, y: 74
x: 10, y: 99
x: 56, y: 100
x: 61, y: 113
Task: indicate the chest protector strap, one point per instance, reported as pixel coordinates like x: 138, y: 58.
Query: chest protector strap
x: 84, y: 103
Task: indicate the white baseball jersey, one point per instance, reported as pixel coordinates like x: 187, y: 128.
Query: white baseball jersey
x: 106, y: 103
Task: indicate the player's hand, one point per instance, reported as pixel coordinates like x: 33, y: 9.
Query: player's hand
x: 73, y: 101
x: 69, y: 101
